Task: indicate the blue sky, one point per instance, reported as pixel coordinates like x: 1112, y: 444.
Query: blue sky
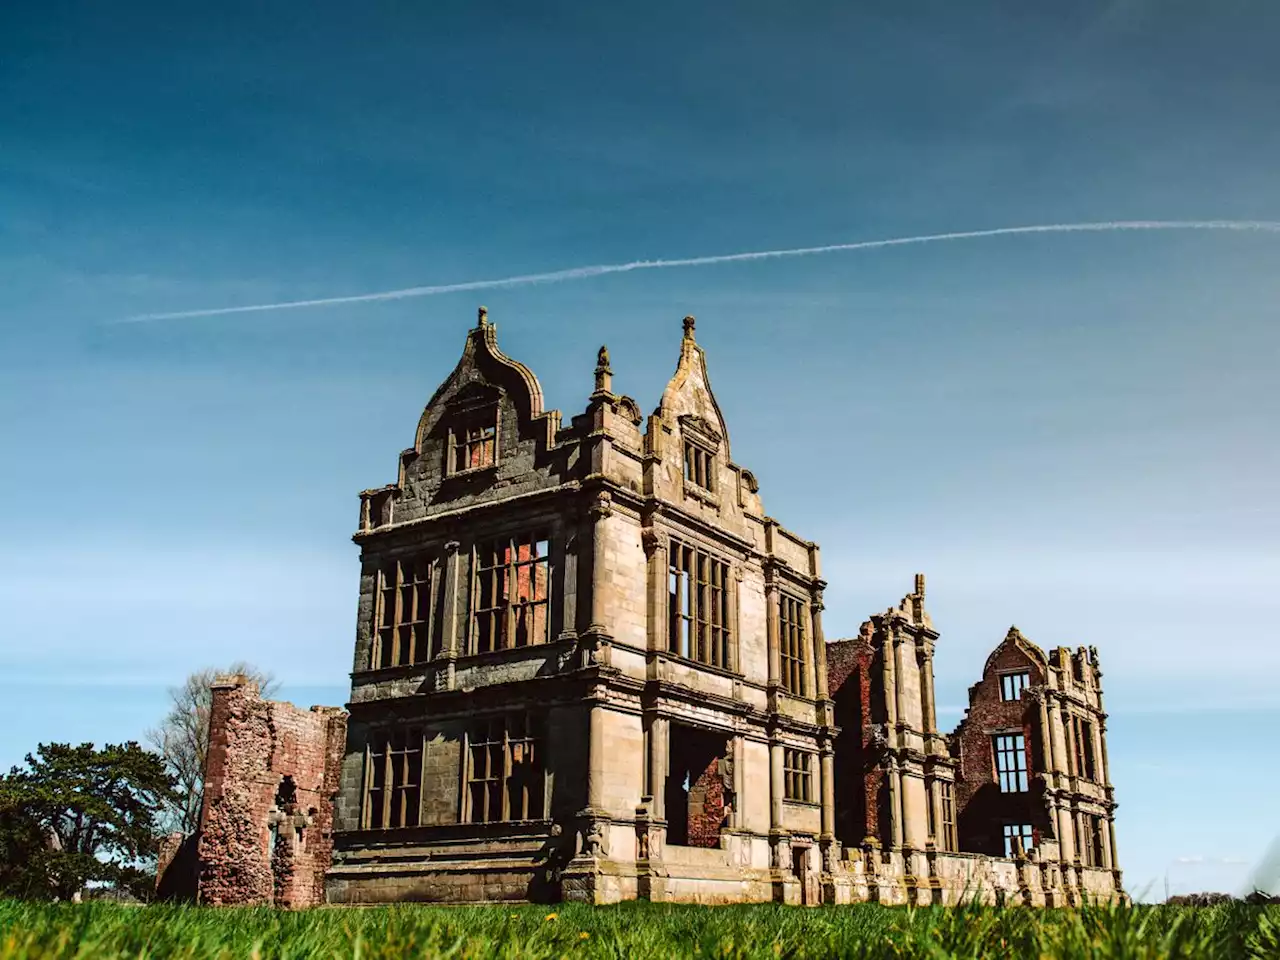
x: 1073, y: 433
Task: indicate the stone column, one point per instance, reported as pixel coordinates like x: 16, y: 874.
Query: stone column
x: 659, y: 732
x: 930, y: 711
x: 1046, y: 745
x: 889, y: 650
x: 819, y: 650
x: 895, y: 802
x: 595, y: 758
x: 935, y: 804
x: 1110, y: 826
x: 1057, y: 736
x: 1106, y: 764
x: 600, y: 510
x: 777, y: 787
x: 771, y: 628
x: 1066, y: 834
x: 659, y: 567
x: 445, y: 679
x: 828, y: 793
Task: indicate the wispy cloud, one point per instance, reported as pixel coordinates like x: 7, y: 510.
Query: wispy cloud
x: 599, y: 270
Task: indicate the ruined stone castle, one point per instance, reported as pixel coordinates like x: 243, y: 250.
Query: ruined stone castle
x: 589, y: 666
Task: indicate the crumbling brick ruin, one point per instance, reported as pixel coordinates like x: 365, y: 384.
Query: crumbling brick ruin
x: 589, y: 666
x: 266, y: 828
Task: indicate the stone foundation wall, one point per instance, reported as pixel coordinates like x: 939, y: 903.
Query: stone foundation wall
x: 266, y: 829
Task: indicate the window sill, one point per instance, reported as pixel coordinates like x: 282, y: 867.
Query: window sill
x: 710, y: 668
x: 471, y: 472
x: 810, y: 804
x: 489, y: 656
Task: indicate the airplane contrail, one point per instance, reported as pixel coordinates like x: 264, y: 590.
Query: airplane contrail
x: 600, y: 270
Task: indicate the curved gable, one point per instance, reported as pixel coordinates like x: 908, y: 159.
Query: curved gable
x: 1015, y: 641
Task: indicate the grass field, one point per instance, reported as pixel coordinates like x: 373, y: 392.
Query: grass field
x: 639, y: 930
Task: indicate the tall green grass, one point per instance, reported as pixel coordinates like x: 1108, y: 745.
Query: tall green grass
x: 637, y: 930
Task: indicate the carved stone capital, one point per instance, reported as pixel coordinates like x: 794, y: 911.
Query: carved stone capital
x: 650, y: 539
x: 452, y: 546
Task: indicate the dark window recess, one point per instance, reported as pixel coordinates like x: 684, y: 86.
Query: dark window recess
x: 473, y: 442
x: 791, y: 636
x: 511, y: 592
x: 393, y: 781
x: 1011, y: 762
x: 404, y: 613
x: 797, y: 775
x: 505, y: 779
x: 698, y: 606
x: 699, y: 466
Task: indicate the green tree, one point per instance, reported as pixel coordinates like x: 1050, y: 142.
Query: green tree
x: 80, y: 814
x: 183, y: 739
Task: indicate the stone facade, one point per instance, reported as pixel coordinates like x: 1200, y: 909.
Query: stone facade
x: 588, y: 666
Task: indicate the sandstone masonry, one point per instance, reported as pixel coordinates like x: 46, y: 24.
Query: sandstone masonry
x: 589, y: 666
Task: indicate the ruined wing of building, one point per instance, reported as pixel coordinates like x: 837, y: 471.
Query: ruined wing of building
x: 589, y: 666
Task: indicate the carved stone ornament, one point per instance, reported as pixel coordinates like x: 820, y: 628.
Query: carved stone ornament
x: 700, y: 429
x: 601, y: 507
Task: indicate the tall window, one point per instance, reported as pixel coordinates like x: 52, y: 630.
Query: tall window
x: 393, y: 779
x: 403, y: 613
x: 473, y: 441
x: 698, y: 606
x: 504, y: 770
x: 1012, y: 685
x: 510, y: 594
x: 947, y: 840
x: 1011, y: 762
x: 699, y: 466
x: 797, y: 774
x: 1092, y: 845
x: 791, y: 634
x: 1018, y: 839
x: 1082, y: 738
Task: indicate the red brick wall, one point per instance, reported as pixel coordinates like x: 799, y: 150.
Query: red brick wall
x: 253, y: 745
x: 706, y: 807
x: 858, y: 778
x: 981, y: 809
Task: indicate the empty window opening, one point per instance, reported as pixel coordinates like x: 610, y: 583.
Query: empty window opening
x: 473, y: 442
x: 791, y: 635
x: 404, y: 613
x: 511, y: 593
x: 797, y: 775
x: 1012, y: 685
x: 699, y: 787
x: 698, y: 606
x: 947, y: 839
x: 699, y: 466
x: 505, y: 778
x: 1018, y: 839
x: 1082, y: 753
x: 1011, y: 762
x: 1093, y: 841
x: 393, y: 779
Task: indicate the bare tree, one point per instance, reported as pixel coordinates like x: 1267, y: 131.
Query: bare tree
x: 182, y: 738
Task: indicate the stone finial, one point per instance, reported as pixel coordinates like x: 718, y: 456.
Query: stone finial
x: 919, y: 584
x: 482, y: 317
x: 688, y: 327
x: 604, y: 374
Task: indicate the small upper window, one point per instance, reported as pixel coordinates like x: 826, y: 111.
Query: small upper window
x: 1012, y: 685
x: 473, y: 442
x: 699, y: 466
